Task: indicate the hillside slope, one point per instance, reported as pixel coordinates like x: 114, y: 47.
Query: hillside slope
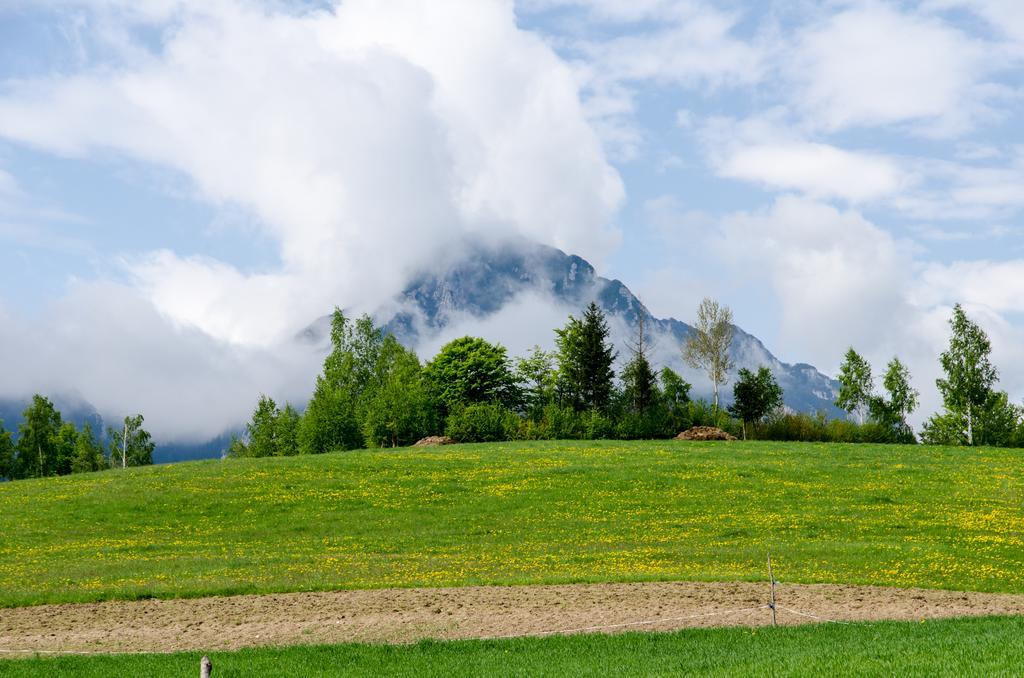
x: 523, y: 513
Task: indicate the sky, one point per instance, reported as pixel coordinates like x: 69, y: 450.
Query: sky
x: 185, y: 184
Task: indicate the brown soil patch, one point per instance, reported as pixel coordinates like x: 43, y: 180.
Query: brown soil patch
x: 406, y: 615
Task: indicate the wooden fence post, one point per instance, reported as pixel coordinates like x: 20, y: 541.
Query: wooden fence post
x: 205, y: 667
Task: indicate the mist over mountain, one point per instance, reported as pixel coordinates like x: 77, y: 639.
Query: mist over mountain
x: 537, y: 286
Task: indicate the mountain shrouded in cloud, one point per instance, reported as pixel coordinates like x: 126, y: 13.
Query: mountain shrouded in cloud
x: 367, y: 140
x: 186, y: 184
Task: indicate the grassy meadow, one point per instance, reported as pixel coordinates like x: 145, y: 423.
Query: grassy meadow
x: 520, y: 513
x: 956, y: 647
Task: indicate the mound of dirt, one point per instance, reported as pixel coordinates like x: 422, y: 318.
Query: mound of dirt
x: 705, y: 433
x: 433, y: 441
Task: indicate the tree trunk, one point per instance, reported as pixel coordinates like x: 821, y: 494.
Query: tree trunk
x: 744, y: 429
x: 716, y: 396
x: 970, y: 426
x: 124, y: 446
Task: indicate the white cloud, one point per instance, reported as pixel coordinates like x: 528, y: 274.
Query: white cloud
x: 769, y: 150
x: 817, y: 169
x: 873, y: 65
x: 689, y: 45
x: 107, y: 344
x: 837, y: 275
x: 368, y: 139
x: 996, y: 286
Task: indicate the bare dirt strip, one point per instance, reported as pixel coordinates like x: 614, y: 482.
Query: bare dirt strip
x: 406, y: 615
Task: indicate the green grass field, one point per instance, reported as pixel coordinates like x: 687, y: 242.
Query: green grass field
x: 520, y: 513
x: 992, y: 646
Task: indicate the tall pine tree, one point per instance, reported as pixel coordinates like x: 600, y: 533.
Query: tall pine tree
x: 88, y: 454
x: 639, y: 382
x: 585, y: 358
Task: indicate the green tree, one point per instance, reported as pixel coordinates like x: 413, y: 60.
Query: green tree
x: 538, y: 378
x: 400, y: 410
x: 856, y: 386
x: 997, y: 425
x: 967, y: 388
x: 754, y: 396
x: 893, y: 411
x: 640, y: 385
x: 65, y: 443
x: 262, y: 429
x: 38, y: 439
x: 286, y: 436
x: 88, y: 454
x: 707, y: 346
x: 472, y: 370
x: 332, y: 419
x: 585, y: 359
x: 674, y: 389
x: 130, y: 444
x: 237, y: 448
x: 7, y: 468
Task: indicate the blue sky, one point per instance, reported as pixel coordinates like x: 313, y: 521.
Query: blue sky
x: 183, y: 184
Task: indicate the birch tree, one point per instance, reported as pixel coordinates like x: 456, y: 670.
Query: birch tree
x: 967, y: 386
x: 856, y: 385
x: 707, y: 346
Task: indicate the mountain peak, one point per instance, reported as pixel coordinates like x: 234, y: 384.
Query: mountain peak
x: 487, y: 279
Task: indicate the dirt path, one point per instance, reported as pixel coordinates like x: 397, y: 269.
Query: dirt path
x: 402, y: 615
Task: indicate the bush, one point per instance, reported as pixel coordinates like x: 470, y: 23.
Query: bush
x: 655, y: 423
x: 482, y: 423
x: 803, y: 427
x: 597, y: 425
x: 555, y: 423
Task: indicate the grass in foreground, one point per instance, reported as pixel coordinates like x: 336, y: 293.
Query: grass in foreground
x: 520, y: 513
x: 990, y: 646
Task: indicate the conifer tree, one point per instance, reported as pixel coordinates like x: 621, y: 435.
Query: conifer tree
x: 88, y: 454
x: 585, y: 358
x: 639, y: 382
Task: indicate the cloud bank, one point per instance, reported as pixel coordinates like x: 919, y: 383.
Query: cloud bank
x: 366, y: 139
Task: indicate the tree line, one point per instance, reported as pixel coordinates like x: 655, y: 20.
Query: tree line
x: 46, y: 445
x: 374, y: 392
x: 974, y: 412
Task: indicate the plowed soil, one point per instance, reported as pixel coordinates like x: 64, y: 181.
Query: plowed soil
x: 407, y: 615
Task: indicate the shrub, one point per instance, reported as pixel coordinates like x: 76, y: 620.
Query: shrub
x: 655, y: 423
x: 597, y: 425
x: 482, y: 423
